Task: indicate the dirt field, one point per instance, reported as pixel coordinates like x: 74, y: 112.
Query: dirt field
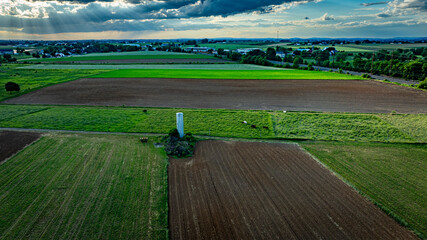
x: 177, y: 60
x: 236, y: 190
x: 12, y: 142
x: 297, y: 95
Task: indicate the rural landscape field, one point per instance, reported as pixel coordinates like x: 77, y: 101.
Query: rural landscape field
x: 295, y: 125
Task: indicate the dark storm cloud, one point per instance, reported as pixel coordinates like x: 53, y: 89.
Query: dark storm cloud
x: 63, y: 16
x: 373, y: 3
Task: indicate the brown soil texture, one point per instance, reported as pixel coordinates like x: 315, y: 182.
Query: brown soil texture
x: 237, y: 190
x: 174, y: 60
x: 295, y: 95
x: 12, y: 142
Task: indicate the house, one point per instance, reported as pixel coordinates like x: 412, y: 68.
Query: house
x: 281, y: 54
x: 245, y: 51
x: 199, y: 49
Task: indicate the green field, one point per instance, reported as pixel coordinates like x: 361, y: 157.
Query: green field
x: 69, y: 186
x: 417, y: 127
x: 210, y: 122
x: 224, y: 74
x: 30, y: 80
x: 392, y: 175
x: 342, y: 127
x: 120, y: 57
x: 224, y: 123
x: 227, y: 66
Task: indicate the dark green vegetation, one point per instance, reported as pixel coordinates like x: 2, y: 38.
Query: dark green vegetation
x: 223, y: 74
x: 222, y: 123
x: 30, y: 80
x: 392, y: 175
x: 84, y: 187
x: 177, y: 146
x: 119, y: 57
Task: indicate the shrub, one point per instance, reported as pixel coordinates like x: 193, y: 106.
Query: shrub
x: 423, y: 84
x: 11, y: 86
x: 179, y: 147
x: 365, y: 75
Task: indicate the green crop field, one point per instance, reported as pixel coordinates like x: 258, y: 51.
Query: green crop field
x: 417, y: 127
x: 120, y: 57
x: 332, y: 126
x: 392, y: 175
x: 30, y: 80
x: 227, y: 66
x: 215, y: 122
x: 85, y: 187
x: 224, y: 74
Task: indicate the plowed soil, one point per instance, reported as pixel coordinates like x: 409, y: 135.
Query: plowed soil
x: 237, y: 190
x: 12, y: 142
x: 296, y: 95
x: 174, y: 60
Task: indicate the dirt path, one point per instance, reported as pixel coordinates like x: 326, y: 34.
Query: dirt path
x: 291, y: 95
x: 241, y: 190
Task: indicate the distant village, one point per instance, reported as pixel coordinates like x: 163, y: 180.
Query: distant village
x: 59, y: 49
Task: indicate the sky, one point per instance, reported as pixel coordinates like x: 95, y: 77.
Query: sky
x: 173, y: 19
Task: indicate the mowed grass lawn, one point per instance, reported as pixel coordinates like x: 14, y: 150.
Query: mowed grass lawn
x: 392, y: 175
x: 30, y: 80
x: 224, y: 74
x: 219, y: 122
x: 84, y: 187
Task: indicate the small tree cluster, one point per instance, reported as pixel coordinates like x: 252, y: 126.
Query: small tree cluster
x: 179, y: 147
x: 11, y: 86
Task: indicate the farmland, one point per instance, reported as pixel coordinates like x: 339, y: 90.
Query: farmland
x: 274, y: 191
x: 107, y: 185
x: 289, y: 95
x: 102, y: 57
x: 392, y: 175
x: 12, y: 142
x: 30, y: 80
x: 84, y: 186
x: 216, y: 122
x: 225, y: 74
x: 152, y: 66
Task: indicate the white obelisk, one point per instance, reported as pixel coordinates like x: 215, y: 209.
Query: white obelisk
x: 180, y: 123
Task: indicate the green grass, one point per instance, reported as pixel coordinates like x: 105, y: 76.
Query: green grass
x: 11, y: 111
x: 85, y: 187
x: 120, y: 57
x: 30, y: 80
x: 342, y: 127
x: 152, y: 66
x: 213, y: 122
x: 224, y: 74
x: 392, y: 175
x: 224, y: 123
x: 414, y: 125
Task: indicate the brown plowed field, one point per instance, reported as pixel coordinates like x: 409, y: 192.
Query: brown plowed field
x: 297, y: 95
x: 237, y: 190
x: 12, y: 142
x: 174, y: 60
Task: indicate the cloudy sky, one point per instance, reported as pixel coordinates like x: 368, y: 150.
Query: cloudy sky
x: 160, y: 19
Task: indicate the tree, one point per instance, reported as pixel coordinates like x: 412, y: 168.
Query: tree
x: 236, y: 56
x: 341, y: 56
x: 11, y: 86
x: 220, y: 51
x: 271, y: 53
x: 205, y: 40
